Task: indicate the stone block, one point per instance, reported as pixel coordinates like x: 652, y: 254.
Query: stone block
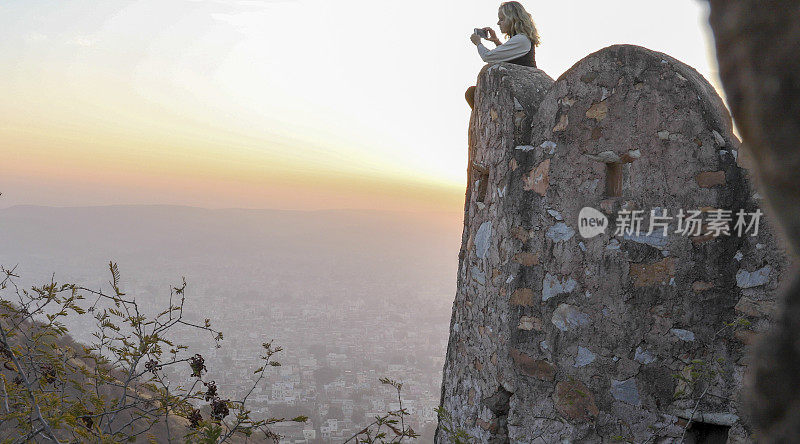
x: 536, y: 368
x: 709, y: 179
x: 522, y: 296
x: 538, y: 179
x: 574, y: 401
x: 652, y: 274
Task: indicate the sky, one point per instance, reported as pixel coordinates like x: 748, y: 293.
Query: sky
x: 290, y: 104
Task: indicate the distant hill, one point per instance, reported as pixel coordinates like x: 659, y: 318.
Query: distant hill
x: 194, y: 242
x: 22, y: 336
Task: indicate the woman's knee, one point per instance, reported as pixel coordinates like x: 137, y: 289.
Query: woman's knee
x: 470, y: 96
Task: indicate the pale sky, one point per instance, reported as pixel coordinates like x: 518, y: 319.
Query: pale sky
x: 296, y: 104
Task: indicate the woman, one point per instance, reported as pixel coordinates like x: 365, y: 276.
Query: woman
x: 515, y: 22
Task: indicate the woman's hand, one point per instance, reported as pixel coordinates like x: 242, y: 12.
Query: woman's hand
x: 492, y: 36
x: 475, y: 38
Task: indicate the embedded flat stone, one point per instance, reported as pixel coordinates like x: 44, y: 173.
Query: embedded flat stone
x: 584, y: 357
x: 598, y: 111
x: 643, y: 356
x: 527, y: 259
x: 556, y: 215
x: 755, y: 308
x: 683, y: 335
x: 482, y: 239
x: 652, y: 274
x: 748, y: 279
x: 655, y: 239
x: 560, y: 232
x: 626, y: 391
x: 574, y: 401
x: 529, y: 323
x: 522, y: 296
x: 698, y: 286
x: 478, y: 275
x: 536, y: 368
x: 708, y: 179
x: 538, y: 178
x: 552, y: 286
x: 568, y: 317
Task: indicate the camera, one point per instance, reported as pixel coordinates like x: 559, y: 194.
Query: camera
x: 482, y: 33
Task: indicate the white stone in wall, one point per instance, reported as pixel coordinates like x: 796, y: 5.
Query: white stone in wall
x: 560, y: 232
x: 556, y: 215
x: 643, y: 356
x: 683, y: 335
x: 747, y: 279
x: 626, y: 391
x: 482, y: 239
x: 567, y: 317
x: 552, y: 286
x: 584, y: 357
x: 655, y: 239
x: 548, y: 144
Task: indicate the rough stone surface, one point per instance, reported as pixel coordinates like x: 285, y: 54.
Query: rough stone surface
x: 568, y: 317
x: 553, y: 286
x: 522, y: 296
x: 708, y: 179
x: 584, y: 357
x: 574, y: 401
x: 502, y: 89
x: 626, y: 391
x: 533, y: 367
x: 643, y: 356
x: 482, y: 239
x: 632, y: 302
x: 560, y: 232
x: 747, y: 279
x: 683, y: 335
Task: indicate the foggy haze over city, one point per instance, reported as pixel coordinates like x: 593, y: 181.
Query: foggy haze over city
x: 351, y: 295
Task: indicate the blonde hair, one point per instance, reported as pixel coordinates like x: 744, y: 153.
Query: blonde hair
x: 521, y: 21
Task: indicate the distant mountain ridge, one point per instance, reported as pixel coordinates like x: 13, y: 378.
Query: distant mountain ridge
x: 190, y: 241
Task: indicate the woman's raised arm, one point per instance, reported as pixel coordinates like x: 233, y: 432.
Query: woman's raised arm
x: 516, y: 46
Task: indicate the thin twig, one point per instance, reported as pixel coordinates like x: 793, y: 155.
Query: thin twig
x: 691, y: 416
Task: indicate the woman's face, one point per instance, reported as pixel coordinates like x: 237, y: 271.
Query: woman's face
x: 503, y: 22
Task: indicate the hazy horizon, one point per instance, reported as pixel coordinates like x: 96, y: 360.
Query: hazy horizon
x: 214, y: 103
x: 227, y: 208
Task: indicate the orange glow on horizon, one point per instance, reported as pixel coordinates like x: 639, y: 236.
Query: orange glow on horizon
x: 203, y: 103
x: 213, y: 182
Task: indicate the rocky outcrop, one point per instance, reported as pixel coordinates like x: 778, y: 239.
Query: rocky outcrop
x: 601, y: 333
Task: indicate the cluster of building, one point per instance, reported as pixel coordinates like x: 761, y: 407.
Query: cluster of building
x: 334, y: 355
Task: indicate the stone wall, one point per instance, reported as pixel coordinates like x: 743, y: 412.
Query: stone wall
x: 559, y: 337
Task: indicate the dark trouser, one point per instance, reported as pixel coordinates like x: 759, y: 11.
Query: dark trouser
x: 470, y: 96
